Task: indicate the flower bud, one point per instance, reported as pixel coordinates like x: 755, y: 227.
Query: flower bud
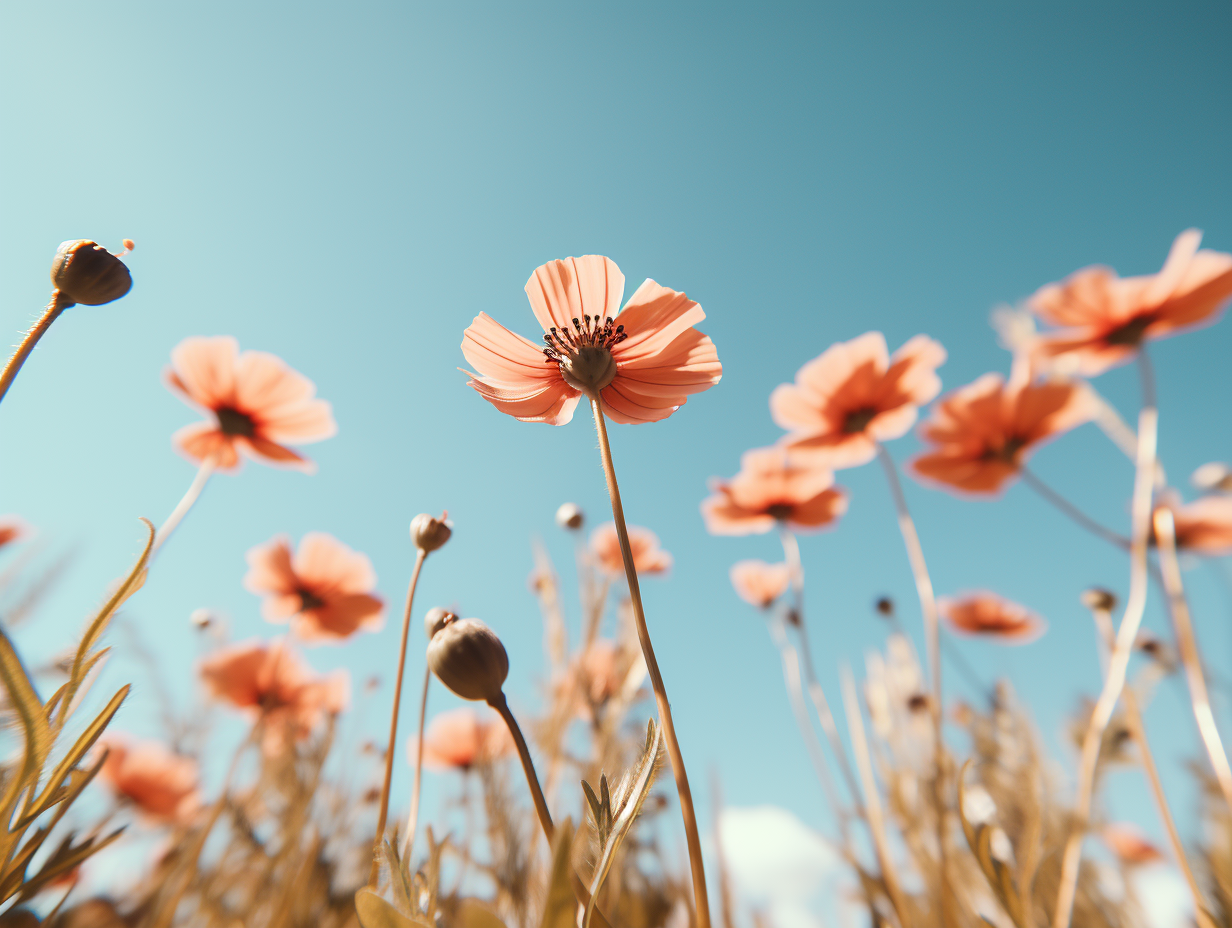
x: 85, y: 272
x: 1099, y: 600
x: 436, y: 619
x: 468, y: 658
x: 1215, y: 477
x: 884, y: 606
x: 569, y: 516
x: 429, y: 532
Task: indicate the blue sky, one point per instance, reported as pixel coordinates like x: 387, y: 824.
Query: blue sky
x: 347, y: 185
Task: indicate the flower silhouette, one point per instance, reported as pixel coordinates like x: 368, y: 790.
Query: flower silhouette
x: 162, y: 786
x: 758, y: 583
x: 460, y: 738
x: 988, y: 615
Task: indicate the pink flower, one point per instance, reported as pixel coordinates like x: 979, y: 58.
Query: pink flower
x: 642, y: 362
x: 1129, y: 845
x: 1203, y: 526
x: 460, y: 738
x: 258, y: 405
x: 161, y: 785
x: 648, y: 557
x: 758, y: 583
x: 988, y: 615
x: 773, y: 488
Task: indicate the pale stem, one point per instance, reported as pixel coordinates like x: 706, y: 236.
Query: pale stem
x: 181, y: 509
x: 57, y: 305
x: 412, y: 819
x: 375, y: 873
x: 656, y: 678
x: 1072, y: 511
x: 1118, y: 660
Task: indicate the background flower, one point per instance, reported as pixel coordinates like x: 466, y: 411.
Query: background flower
x: 648, y: 557
x: 758, y: 583
x: 988, y: 615
x: 773, y: 488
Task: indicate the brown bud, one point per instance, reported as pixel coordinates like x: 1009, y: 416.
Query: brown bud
x: 429, y: 532
x: 884, y: 606
x: 569, y: 516
x: 85, y: 272
x: 468, y: 658
x: 1099, y: 600
x: 436, y: 619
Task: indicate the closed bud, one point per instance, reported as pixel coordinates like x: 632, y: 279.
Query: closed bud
x: 569, y: 516
x: 884, y: 606
x: 429, y: 532
x: 1099, y: 600
x: 436, y: 619
x: 85, y: 272
x: 468, y: 658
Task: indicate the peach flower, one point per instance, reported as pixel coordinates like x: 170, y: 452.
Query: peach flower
x: 648, y: 557
x: 1129, y: 845
x: 258, y: 405
x: 855, y: 395
x: 988, y: 615
x: 1203, y: 526
x: 770, y: 489
x: 759, y: 583
x: 642, y: 361
x: 984, y: 432
x: 461, y: 738
x: 12, y: 529
x: 162, y: 786
x: 1106, y: 318
x: 324, y: 589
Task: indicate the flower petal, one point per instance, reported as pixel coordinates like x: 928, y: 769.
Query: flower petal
x: 504, y: 357
x: 270, y: 569
x: 205, y: 368
x: 268, y: 452
x: 325, y: 564
x: 203, y: 440
x: 550, y: 401
x: 653, y: 318
x: 340, y: 618
x: 570, y: 288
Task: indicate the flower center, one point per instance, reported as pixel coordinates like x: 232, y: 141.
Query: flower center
x: 779, y: 511
x: 584, y: 354
x: 1130, y: 333
x: 1008, y: 452
x: 309, y: 600
x: 858, y: 419
x: 233, y: 422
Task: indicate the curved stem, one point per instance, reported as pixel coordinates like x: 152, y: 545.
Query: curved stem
x: 412, y: 819
x: 57, y: 305
x: 501, y: 705
x: 1056, y: 499
x: 374, y: 874
x: 700, y: 899
x: 184, y: 505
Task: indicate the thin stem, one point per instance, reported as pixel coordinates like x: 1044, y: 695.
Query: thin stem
x: 57, y: 305
x: 375, y: 872
x: 656, y: 678
x: 1056, y: 499
x: 184, y: 505
x: 412, y: 819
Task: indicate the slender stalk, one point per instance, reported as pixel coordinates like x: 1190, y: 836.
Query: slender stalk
x: 412, y: 819
x: 58, y: 304
x: 1072, y: 511
x: 656, y: 678
x: 184, y: 505
x: 375, y: 872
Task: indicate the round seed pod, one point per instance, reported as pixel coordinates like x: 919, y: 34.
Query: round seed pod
x: 569, y: 516
x: 436, y: 619
x: 1099, y: 599
x: 429, y: 532
x: 85, y: 272
x: 468, y: 658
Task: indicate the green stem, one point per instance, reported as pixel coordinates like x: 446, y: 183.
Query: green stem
x: 57, y: 305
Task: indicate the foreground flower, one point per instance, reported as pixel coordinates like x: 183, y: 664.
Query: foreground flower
x: 648, y: 557
x: 460, y: 739
x: 772, y: 489
x: 642, y: 362
x: 258, y: 404
x: 1203, y: 526
x: 759, y: 583
x: 1106, y: 318
x: 983, y: 433
x: 11, y: 529
x: 990, y: 616
x: 324, y: 588
x: 1129, y: 845
x: 855, y: 395
x: 162, y: 786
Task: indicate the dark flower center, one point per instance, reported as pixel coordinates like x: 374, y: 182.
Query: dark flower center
x: 1130, y: 333
x: 233, y: 422
x: 779, y: 511
x: 309, y: 600
x: 584, y: 354
x: 1007, y: 452
x: 858, y: 419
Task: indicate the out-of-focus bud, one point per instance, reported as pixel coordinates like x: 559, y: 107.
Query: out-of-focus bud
x: 468, y: 658
x: 918, y: 702
x: 201, y: 619
x: 1215, y: 477
x: 429, y: 532
x: 92, y: 913
x: 436, y: 619
x: 569, y: 516
x: 1099, y: 600
x: 85, y: 272
x: 19, y: 918
x: 884, y: 606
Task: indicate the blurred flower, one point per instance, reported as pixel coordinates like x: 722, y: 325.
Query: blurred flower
x: 1203, y: 526
x: 759, y: 583
x: 324, y: 589
x: 1215, y: 477
x: 642, y: 362
x: 201, y: 618
x: 258, y: 404
x: 570, y: 516
x: 12, y: 529
x: 1129, y: 845
x: 162, y: 786
x: 1106, y: 318
x: 855, y: 395
x: 988, y: 615
x: 648, y: 557
x: 984, y: 432
x: 461, y: 738
x: 772, y: 489
x: 1158, y: 650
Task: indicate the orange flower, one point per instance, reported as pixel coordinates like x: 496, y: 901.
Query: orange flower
x: 324, y: 589
x: 648, y: 557
x: 1203, y: 526
x: 759, y: 583
x: 855, y: 395
x: 643, y: 361
x: 985, y: 431
x: 771, y: 489
x: 163, y: 786
x: 460, y: 738
x: 11, y: 529
x: 258, y: 404
x: 1129, y: 845
x: 986, y: 614
x: 1106, y: 318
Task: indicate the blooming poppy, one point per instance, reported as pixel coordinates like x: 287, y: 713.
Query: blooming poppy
x: 258, y: 404
x: 11, y: 529
x: 648, y: 557
x: 773, y: 488
x: 758, y: 583
x: 1203, y: 526
x: 324, y: 588
x: 855, y: 395
x: 988, y: 615
x: 460, y: 738
x: 162, y: 786
x: 1105, y: 318
x: 1129, y: 845
x: 642, y: 360
x: 983, y: 433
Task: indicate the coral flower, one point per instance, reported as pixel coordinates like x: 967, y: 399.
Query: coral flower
x: 1203, y: 526
x: 460, y: 738
x: 988, y: 615
x: 162, y: 785
x: 642, y: 361
x: 324, y: 588
x: 770, y: 489
x: 983, y: 433
x: 258, y: 405
x: 855, y: 395
x: 1129, y: 845
x: 11, y: 529
x: 1106, y: 318
x: 759, y: 583
x: 648, y: 557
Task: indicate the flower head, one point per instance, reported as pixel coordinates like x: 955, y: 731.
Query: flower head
x: 258, y: 405
x: 772, y: 488
x: 988, y: 615
x: 984, y: 432
x: 1104, y: 319
x: 642, y: 361
x: 461, y: 738
x: 758, y: 583
x: 162, y: 786
x: 1129, y: 845
x: 855, y: 395
x: 12, y: 529
x: 324, y: 589
x: 1203, y: 526
x: 648, y: 557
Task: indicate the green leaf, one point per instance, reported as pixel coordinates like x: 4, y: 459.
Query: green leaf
x: 560, y: 909
x: 375, y: 912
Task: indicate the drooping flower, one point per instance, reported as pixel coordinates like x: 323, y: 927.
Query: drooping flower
x: 12, y: 529
x: 1129, y: 845
x: 855, y: 395
x: 983, y: 433
x: 773, y: 488
x: 989, y: 616
x: 642, y: 361
x: 257, y: 403
x: 1203, y: 526
x: 460, y: 739
x: 161, y: 785
x: 758, y: 583
x: 648, y: 557
x: 1104, y: 319
x: 324, y: 589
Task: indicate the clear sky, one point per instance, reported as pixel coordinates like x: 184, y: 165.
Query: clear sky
x: 348, y: 185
